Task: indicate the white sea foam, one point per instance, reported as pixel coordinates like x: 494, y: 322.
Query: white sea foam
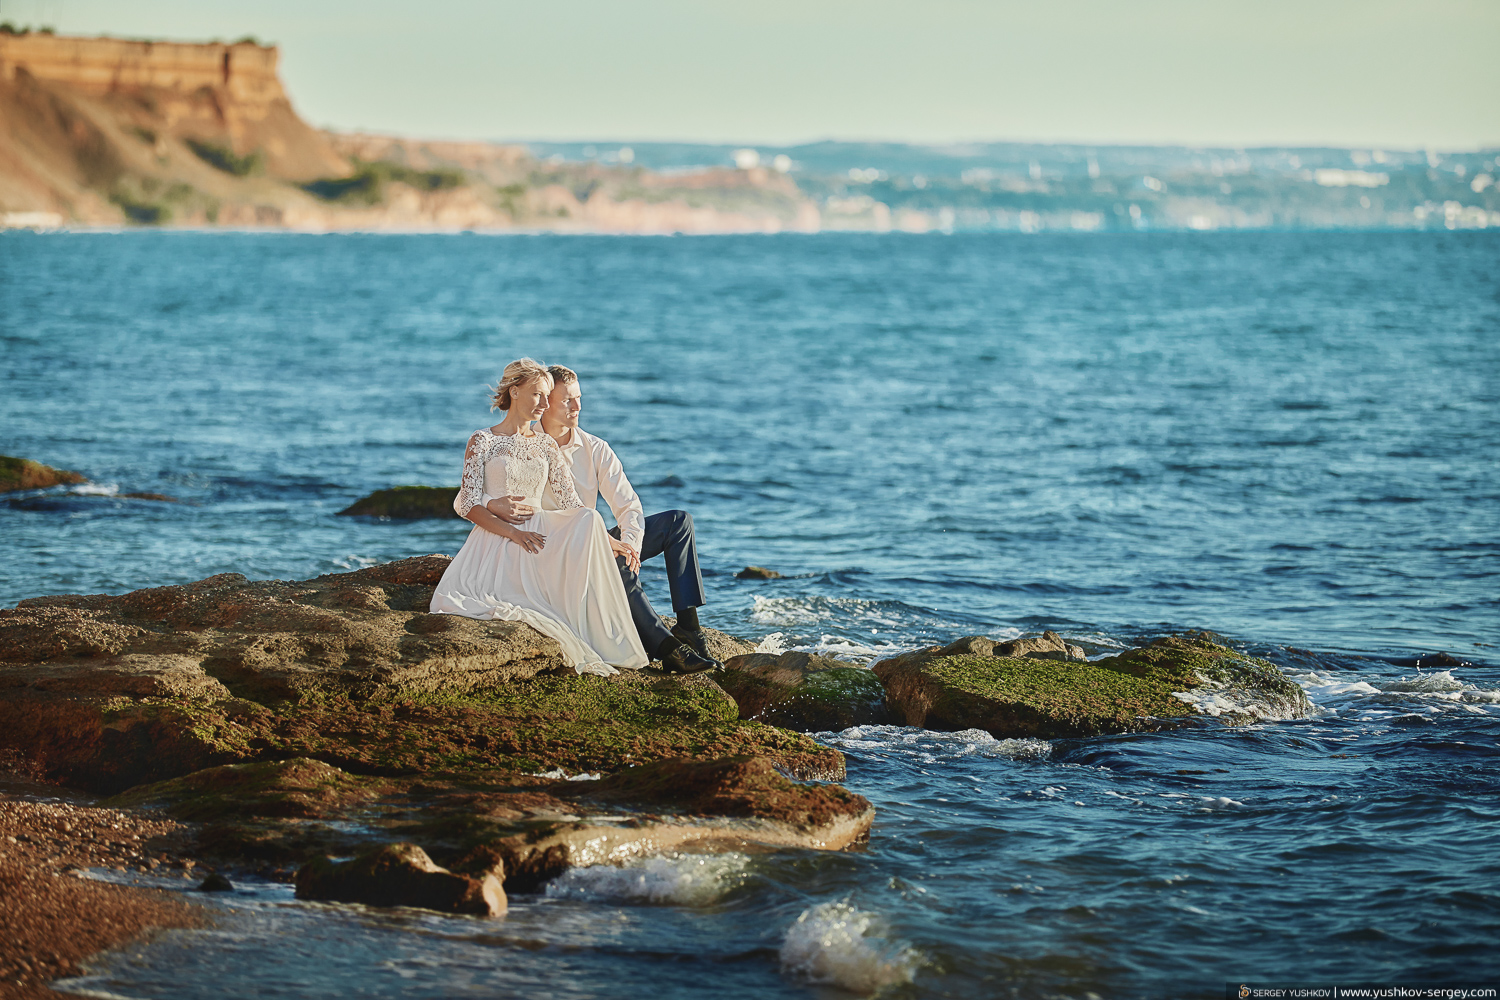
x: 1442, y: 681
x: 558, y: 772
x: 775, y: 644
x: 673, y: 879
x: 839, y: 945
x: 1216, y: 698
x: 929, y: 747
x: 1212, y: 802
x: 97, y: 489
x: 1425, y: 692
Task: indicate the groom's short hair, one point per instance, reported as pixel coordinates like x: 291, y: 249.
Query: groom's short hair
x: 561, y: 375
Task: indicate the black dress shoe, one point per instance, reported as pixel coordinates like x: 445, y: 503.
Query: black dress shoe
x: 685, y: 660
x: 695, y: 639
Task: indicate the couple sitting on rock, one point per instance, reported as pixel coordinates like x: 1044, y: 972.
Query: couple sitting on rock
x: 539, y: 552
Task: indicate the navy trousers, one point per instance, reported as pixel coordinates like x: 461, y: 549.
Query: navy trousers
x: 669, y: 533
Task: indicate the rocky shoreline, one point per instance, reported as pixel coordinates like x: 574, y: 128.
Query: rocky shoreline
x: 267, y: 726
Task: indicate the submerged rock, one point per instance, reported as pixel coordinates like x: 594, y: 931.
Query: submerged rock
x: 400, y: 875
x: 24, y: 474
x: 216, y: 883
x: 757, y: 573
x: 1143, y: 688
x: 801, y: 691
x: 406, y: 503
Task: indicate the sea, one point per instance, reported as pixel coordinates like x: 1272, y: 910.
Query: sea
x: 1291, y: 439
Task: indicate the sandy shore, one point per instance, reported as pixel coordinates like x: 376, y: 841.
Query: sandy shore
x: 51, y: 918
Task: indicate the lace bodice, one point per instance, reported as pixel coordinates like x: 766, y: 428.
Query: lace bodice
x: 513, y: 465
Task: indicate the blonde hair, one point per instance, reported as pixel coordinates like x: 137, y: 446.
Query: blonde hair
x: 516, y: 373
x: 562, y: 375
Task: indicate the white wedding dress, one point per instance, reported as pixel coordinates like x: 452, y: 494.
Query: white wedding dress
x: 571, y: 590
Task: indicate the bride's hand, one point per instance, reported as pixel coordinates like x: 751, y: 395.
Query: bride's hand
x: 509, y: 510
x: 528, y: 540
x: 632, y: 557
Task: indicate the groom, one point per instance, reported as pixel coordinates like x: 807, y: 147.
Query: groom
x: 596, y: 470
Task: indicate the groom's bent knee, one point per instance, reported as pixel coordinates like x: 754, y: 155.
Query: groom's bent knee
x: 681, y: 521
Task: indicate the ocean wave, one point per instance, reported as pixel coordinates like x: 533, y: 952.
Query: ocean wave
x: 670, y: 879
x: 1435, y: 691
x: 837, y: 646
x: 853, y: 612
x: 837, y: 944
x: 929, y: 746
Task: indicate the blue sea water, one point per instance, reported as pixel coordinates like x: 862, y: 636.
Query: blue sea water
x: 1292, y: 439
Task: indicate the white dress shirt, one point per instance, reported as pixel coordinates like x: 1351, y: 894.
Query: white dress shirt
x: 596, y: 470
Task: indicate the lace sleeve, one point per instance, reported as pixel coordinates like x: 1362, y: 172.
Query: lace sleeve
x: 561, y: 479
x: 471, y: 491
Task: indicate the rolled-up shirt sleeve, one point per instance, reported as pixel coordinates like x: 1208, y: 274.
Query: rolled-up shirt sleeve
x: 620, y: 495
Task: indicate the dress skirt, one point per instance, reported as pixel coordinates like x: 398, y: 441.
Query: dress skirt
x: 571, y: 590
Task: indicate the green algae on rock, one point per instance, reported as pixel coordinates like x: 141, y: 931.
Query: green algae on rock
x: 406, y: 503
x: 798, y: 690
x: 24, y: 474
x: 1140, y: 689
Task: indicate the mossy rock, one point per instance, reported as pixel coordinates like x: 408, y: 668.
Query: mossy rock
x: 1139, y: 689
x: 831, y: 700
x: 105, y: 692
x: 406, y: 503
x: 24, y: 474
x: 804, y: 692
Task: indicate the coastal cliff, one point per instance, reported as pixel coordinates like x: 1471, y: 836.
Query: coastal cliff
x: 103, y: 131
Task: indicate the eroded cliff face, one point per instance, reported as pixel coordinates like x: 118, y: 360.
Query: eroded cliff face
x: 102, y: 131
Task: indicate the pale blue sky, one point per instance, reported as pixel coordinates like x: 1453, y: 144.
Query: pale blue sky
x: 1392, y: 73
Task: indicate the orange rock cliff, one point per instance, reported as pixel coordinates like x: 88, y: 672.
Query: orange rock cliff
x: 104, y: 131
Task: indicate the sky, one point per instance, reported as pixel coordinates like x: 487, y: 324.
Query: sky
x: 1380, y: 73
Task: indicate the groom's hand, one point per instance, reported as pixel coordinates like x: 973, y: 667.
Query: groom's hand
x: 509, y: 510
x: 632, y: 557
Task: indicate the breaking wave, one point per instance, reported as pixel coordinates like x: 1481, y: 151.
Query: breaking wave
x: 838, y: 945
x: 671, y: 879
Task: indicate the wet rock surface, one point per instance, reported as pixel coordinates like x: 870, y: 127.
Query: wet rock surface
x: 801, y: 691
x: 400, y: 875
x: 955, y: 688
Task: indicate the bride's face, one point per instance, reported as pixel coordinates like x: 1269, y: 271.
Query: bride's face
x: 530, y: 398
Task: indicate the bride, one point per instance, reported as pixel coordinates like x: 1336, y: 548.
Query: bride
x: 555, y: 571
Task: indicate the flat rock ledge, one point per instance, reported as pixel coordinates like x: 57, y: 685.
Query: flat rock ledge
x: 439, y: 731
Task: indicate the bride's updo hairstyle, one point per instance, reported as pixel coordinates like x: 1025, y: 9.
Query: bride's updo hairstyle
x: 516, y: 373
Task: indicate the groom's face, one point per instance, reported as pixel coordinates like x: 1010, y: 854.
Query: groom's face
x: 565, y: 404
